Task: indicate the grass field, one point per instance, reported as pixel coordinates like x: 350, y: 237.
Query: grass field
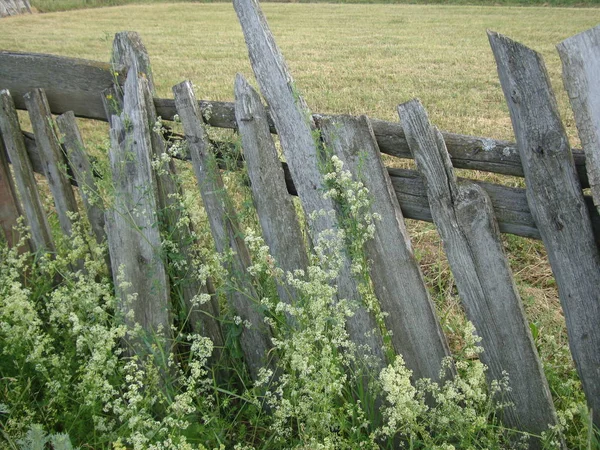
x: 357, y: 59
x: 345, y: 58
x: 62, y: 5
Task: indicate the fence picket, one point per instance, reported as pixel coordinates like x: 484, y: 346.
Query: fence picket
x: 276, y: 212
x: 465, y: 220
x: 128, y: 49
x: 52, y: 157
x: 82, y: 172
x: 25, y: 180
x: 255, y: 339
x: 203, y: 317
x: 556, y: 201
x: 10, y: 208
x: 302, y: 151
x: 132, y: 223
x: 396, y: 276
x: 580, y: 57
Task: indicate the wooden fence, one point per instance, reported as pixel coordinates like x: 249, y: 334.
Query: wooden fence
x: 14, y: 7
x: 469, y: 215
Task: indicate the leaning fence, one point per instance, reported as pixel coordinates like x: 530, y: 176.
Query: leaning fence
x: 469, y: 215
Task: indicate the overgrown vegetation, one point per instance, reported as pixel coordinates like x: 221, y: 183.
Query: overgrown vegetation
x: 66, y: 380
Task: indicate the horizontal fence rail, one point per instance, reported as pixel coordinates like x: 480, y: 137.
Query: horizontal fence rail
x: 509, y: 203
x: 76, y: 85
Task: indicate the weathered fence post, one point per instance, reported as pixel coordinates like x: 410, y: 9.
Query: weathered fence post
x: 51, y: 155
x: 128, y: 49
x: 132, y: 223
x: 464, y: 217
x: 128, y: 52
x: 255, y: 339
x: 302, y: 150
x: 10, y: 208
x: 397, y: 280
x: 580, y: 57
x: 556, y: 201
x: 274, y: 206
x: 14, y: 7
x: 83, y: 173
x: 13, y: 139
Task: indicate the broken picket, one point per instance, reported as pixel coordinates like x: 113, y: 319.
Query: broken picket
x: 556, y: 202
x: 408, y: 310
x: 465, y: 220
x: 255, y: 338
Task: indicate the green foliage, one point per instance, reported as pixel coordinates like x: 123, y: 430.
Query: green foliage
x: 65, y: 379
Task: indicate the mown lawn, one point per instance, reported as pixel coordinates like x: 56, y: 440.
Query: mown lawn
x: 360, y: 59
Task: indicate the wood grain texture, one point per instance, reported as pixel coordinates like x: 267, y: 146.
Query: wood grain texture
x: 465, y: 220
x: 52, y: 158
x: 70, y: 84
x: 41, y: 238
x: 302, y: 152
x: 10, y: 208
x: 255, y: 339
x: 556, y: 202
x: 132, y: 223
x: 276, y: 212
x: 580, y: 57
x: 129, y: 48
x: 83, y: 174
x: 203, y: 317
x: 14, y: 7
x: 395, y: 273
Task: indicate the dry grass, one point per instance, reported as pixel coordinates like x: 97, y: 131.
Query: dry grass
x: 357, y: 59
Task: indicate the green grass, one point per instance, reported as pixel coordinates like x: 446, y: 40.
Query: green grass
x: 64, y: 5
x: 358, y: 59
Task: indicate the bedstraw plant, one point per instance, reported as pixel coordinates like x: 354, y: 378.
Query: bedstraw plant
x: 65, y: 379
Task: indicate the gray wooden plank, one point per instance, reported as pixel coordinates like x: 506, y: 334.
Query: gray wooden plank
x: 132, y: 224
x: 25, y: 180
x: 556, y: 201
x: 466, y: 152
x: 580, y: 57
x: 71, y: 84
x: 81, y: 167
x: 255, y: 339
x: 276, y: 212
x: 395, y: 273
x: 128, y: 48
x: 302, y: 152
x: 14, y: 7
x: 203, y: 318
x: 10, y: 208
x: 465, y: 220
x: 510, y: 204
x: 52, y: 158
